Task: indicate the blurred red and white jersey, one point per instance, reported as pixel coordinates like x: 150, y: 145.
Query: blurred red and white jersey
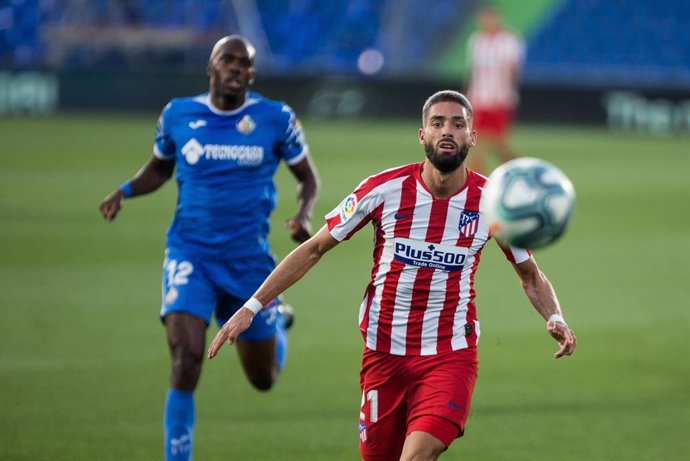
x: 495, y: 61
x: 420, y: 300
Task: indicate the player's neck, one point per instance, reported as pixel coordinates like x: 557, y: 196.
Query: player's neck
x: 443, y: 185
x: 226, y: 103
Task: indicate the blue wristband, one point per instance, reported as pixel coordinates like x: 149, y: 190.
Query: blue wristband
x: 126, y: 189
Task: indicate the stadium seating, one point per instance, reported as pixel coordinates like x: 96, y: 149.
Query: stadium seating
x: 591, y: 42
x: 300, y: 36
x: 576, y: 42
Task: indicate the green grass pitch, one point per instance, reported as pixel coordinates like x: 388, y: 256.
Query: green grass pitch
x: 83, y: 360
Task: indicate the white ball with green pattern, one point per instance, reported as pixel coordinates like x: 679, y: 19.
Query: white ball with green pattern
x: 528, y: 202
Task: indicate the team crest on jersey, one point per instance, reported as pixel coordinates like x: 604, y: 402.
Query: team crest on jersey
x: 469, y: 222
x: 247, y: 125
x: 348, y: 207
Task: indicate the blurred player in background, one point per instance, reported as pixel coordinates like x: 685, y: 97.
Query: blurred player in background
x: 496, y: 57
x: 418, y: 317
x: 227, y: 145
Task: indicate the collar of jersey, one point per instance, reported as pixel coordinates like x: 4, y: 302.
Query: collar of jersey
x: 205, y: 99
x: 418, y: 176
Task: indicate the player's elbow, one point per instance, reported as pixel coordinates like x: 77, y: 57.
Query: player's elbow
x: 316, y: 247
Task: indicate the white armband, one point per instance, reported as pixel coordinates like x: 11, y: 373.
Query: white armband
x: 557, y: 318
x: 253, y: 305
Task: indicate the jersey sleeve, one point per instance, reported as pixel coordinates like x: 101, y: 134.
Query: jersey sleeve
x: 164, y: 146
x: 354, y: 212
x: 469, y: 55
x: 517, y: 50
x: 516, y: 255
x: 292, y: 145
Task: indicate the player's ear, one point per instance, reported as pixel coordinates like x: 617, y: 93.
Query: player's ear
x: 252, y: 75
x: 420, y: 135
x: 473, y: 138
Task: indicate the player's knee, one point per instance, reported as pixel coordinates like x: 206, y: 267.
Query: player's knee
x: 186, y: 369
x: 259, y: 362
x: 262, y: 381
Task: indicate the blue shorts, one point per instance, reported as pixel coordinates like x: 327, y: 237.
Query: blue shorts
x: 205, y: 287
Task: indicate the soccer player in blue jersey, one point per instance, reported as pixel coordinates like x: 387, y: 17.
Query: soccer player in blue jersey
x: 226, y: 145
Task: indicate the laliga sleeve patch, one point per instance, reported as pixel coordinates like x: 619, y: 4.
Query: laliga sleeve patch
x: 347, y: 209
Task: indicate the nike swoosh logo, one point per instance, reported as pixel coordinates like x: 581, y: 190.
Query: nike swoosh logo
x: 197, y: 124
x: 399, y: 216
x: 452, y: 404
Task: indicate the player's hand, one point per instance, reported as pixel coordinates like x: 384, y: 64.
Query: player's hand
x: 564, y: 335
x: 300, y: 229
x: 112, y: 204
x: 238, y: 323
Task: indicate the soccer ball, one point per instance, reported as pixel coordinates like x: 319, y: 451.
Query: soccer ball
x: 528, y: 202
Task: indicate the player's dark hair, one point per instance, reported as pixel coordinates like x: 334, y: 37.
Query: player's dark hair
x: 446, y: 96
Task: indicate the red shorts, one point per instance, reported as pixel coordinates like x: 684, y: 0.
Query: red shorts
x: 495, y: 122
x: 403, y: 394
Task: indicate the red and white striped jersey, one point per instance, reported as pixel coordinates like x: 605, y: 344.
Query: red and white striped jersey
x: 494, y: 59
x: 420, y: 300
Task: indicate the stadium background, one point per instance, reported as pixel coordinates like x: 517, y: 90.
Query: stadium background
x: 605, y: 95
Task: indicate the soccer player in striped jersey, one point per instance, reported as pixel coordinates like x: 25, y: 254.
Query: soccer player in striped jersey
x: 226, y: 146
x: 418, y: 316
x: 495, y: 55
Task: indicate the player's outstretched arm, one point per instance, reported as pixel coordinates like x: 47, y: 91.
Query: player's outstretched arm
x: 149, y: 178
x: 543, y: 297
x: 112, y: 204
x: 287, y: 273
x: 307, y: 194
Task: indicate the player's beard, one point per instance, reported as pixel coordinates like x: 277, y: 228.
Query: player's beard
x: 446, y: 163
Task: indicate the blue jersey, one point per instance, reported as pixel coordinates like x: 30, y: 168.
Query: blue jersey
x: 225, y: 162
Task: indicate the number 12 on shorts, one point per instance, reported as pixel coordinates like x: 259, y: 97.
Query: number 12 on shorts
x: 178, y: 273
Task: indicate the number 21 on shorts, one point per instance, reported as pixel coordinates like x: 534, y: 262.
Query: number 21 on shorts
x: 370, y: 401
x: 372, y: 398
